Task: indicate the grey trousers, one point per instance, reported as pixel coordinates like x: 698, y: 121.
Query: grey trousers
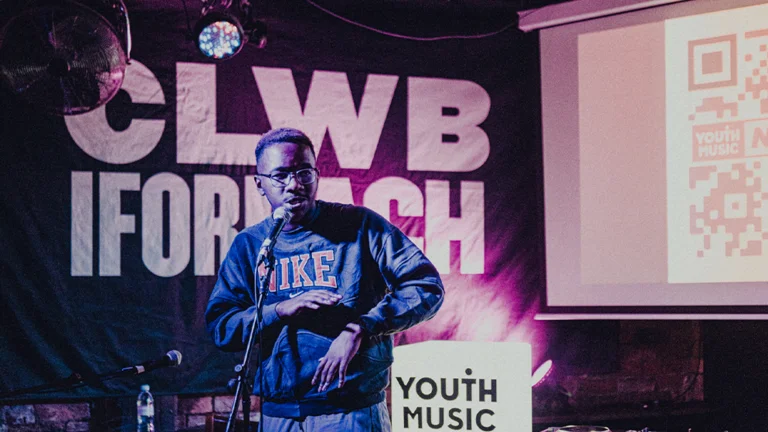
x: 374, y: 418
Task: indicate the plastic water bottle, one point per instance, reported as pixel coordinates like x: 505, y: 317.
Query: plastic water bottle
x: 145, y: 411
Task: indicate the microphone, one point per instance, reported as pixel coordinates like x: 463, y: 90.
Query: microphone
x: 171, y: 358
x: 281, y: 216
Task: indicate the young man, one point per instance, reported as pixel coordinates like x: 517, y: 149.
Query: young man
x: 344, y: 281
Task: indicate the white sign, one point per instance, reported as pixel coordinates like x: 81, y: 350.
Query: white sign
x: 462, y: 386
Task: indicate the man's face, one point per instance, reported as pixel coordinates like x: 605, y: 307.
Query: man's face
x: 294, y: 196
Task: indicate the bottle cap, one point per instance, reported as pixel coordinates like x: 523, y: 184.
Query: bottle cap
x: 145, y: 387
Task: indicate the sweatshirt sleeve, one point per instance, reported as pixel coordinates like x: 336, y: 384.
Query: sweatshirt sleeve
x: 232, y: 306
x: 415, y: 289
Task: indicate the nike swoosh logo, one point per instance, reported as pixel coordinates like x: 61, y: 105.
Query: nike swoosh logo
x: 294, y: 294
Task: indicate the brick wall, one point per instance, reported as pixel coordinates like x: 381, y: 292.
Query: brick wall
x: 178, y: 413
x: 659, y: 361
x: 193, y: 410
x: 69, y: 417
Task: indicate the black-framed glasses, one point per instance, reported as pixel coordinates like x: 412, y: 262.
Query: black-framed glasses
x: 303, y: 176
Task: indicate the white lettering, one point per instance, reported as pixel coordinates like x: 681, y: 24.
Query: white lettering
x: 197, y: 140
x: 208, y: 225
x: 410, y: 201
x: 468, y: 229
x: 152, y: 224
x: 112, y: 223
x: 167, y: 222
x: 335, y: 189
x: 95, y: 136
x: 330, y: 107
x: 82, y: 224
x: 429, y: 126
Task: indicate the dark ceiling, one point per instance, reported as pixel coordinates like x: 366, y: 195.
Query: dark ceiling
x: 409, y: 17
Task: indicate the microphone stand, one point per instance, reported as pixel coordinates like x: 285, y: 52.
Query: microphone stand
x: 73, y: 381
x: 70, y: 382
x: 243, y: 390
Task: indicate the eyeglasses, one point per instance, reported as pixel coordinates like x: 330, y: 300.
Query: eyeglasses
x: 281, y: 179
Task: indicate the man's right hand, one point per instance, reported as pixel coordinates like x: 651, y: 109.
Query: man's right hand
x: 314, y: 299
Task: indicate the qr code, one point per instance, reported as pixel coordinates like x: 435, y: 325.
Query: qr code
x: 731, y: 209
x: 729, y: 96
x: 728, y: 79
x: 713, y: 63
x: 716, y: 84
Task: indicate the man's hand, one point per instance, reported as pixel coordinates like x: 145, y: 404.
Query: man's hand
x: 341, y: 352
x: 313, y: 300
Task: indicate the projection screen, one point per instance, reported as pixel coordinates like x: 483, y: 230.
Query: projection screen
x: 655, y: 149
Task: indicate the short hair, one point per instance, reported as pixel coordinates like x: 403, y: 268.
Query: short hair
x: 283, y: 135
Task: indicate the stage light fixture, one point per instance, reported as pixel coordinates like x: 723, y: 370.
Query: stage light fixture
x: 256, y: 31
x: 219, y: 35
x: 549, y: 397
x: 223, y: 29
x: 541, y: 373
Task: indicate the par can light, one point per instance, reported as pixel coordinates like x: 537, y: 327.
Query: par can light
x: 219, y: 35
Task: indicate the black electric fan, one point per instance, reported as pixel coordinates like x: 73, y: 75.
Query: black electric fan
x: 65, y: 57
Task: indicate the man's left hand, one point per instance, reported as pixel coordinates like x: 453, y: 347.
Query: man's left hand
x: 336, y: 360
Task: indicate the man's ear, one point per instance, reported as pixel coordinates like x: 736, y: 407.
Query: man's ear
x: 259, y: 187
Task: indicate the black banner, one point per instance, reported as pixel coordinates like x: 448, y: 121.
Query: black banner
x: 113, y: 222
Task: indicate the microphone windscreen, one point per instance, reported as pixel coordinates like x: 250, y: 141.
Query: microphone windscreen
x: 175, y: 358
x: 282, y: 213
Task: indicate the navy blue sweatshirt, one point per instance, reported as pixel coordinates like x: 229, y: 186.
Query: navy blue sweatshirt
x: 386, y: 283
